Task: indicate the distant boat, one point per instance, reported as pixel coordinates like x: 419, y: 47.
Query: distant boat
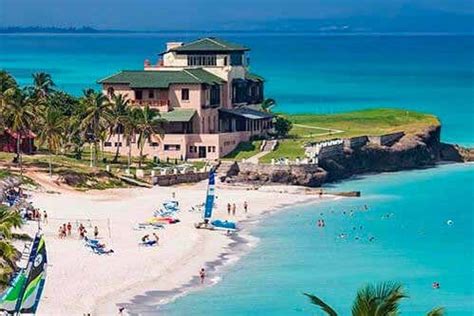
x: 208, y: 207
x: 24, y: 295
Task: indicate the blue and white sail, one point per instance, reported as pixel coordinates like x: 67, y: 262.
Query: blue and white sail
x: 25, y: 292
x: 211, y: 187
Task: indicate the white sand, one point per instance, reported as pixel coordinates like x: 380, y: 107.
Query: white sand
x: 79, y: 281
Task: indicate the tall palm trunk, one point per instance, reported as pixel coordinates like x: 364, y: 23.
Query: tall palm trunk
x: 18, y: 153
x: 117, y: 150
x: 129, y: 154
x: 50, y: 164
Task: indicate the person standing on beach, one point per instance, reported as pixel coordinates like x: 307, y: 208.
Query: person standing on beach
x: 69, y: 228
x: 202, y: 275
x: 228, y: 208
x: 45, y: 217
x: 246, y: 206
x: 96, y: 232
x: 233, y: 209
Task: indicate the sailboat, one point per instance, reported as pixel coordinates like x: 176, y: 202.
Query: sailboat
x: 208, y: 207
x: 24, y: 294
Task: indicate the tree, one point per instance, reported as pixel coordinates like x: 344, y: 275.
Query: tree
x: 95, y: 119
x: 8, y: 220
x: 282, y: 126
x: 42, y: 85
x: 374, y: 300
x: 52, y: 132
x: 130, y: 131
x: 267, y: 105
x: 117, y: 118
x: 18, y: 115
x: 149, y: 123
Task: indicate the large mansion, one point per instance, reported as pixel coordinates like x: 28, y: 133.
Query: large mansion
x: 206, y: 94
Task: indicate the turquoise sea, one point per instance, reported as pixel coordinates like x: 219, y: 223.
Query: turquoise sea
x: 325, y: 74
x: 414, y: 245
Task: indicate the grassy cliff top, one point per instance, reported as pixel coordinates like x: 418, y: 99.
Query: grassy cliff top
x: 371, y: 122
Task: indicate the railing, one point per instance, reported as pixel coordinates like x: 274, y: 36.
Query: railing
x: 151, y: 102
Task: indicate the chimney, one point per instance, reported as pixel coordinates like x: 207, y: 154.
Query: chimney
x: 171, y: 45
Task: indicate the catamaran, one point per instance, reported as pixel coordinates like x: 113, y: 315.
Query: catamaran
x: 24, y: 294
x: 208, y: 207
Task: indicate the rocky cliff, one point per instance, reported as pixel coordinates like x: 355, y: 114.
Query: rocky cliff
x: 409, y: 152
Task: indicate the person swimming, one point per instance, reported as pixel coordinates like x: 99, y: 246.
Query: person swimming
x: 436, y: 285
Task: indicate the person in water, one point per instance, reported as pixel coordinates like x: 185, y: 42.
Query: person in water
x: 202, y: 275
x: 436, y: 285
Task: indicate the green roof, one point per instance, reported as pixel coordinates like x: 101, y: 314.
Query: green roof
x: 161, y: 79
x: 209, y: 44
x: 254, y: 77
x: 248, y: 113
x: 178, y: 115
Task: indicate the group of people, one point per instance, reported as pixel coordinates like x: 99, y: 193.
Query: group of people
x: 147, y: 241
x: 65, y: 230
x: 231, y: 208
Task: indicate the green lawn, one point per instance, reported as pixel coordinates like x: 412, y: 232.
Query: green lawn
x: 244, y: 150
x: 372, y: 122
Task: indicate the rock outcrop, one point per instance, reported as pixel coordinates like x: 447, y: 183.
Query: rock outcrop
x: 408, y: 152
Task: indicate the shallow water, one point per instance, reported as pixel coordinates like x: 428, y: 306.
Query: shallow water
x: 414, y: 246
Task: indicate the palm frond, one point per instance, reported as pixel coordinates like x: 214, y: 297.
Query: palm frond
x: 437, y: 311
x: 318, y: 302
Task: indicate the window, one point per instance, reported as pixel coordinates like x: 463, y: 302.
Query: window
x: 211, y: 149
x: 110, y: 91
x: 154, y: 144
x: 151, y: 94
x: 185, y: 94
x: 236, y: 59
x: 192, y: 149
x: 118, y: 144
x: 172, y: 147
x: 138, y: 94
x: 215, y: 95
x: 107, y: 144
x: 202, y: 60
x: 225, y: 61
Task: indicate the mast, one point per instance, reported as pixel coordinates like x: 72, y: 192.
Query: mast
x: 210, y: 196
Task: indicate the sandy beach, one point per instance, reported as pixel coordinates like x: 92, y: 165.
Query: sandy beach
x: 81, y: 282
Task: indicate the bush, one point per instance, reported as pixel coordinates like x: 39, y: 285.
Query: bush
x: 282, y: 126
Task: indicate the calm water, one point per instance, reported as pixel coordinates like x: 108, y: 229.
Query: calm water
x: 307, y: 73
x: 414, y: 246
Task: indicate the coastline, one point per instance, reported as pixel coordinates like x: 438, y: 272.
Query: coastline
x: 167, y: 271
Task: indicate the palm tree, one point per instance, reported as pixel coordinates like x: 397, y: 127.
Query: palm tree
x: 149, y: 123
x: 52, y: 132
x: 8, y: 220
x: 130, y: 128
x: 267, y: 105
x: 117, y: 118
x: 374, y: 300
x: 42, y: 85
x: 96, y: 118
x: 18, y: 115
x: 6, y: 82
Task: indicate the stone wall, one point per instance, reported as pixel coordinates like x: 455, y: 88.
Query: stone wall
x: 172, y: 179
x: 356, y: 142
x: 304, y: 174
x: 387, y: 139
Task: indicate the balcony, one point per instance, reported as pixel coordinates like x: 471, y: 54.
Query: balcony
x: 161, y: 105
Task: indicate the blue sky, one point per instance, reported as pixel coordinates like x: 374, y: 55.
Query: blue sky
x: 205, y: 14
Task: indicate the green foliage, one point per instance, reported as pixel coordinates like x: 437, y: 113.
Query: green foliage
x: 382, y: 299
x: 282, y: 126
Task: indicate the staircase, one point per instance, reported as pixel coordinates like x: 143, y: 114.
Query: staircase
x: 269, y: 145
x: 226, y: 169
